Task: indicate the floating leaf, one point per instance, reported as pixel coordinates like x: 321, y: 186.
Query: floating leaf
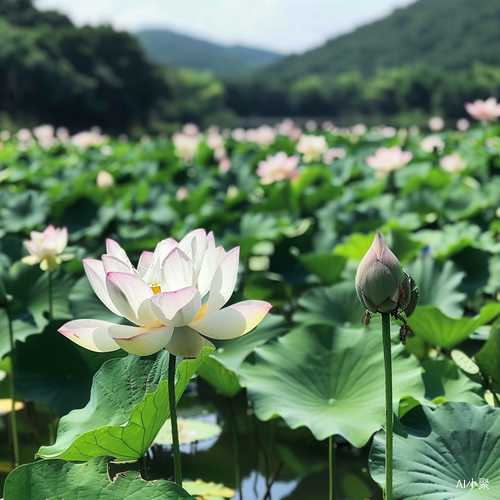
x: 208, y: 491
x: 330, y: 380
x: 435, y: 448
x: 57, y: 479
x: 190, y: 431
x: 128, y: 406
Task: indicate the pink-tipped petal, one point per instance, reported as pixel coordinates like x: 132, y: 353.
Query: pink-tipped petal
x: 115, y: 265
x: 177, y: 308
x: 131, y: 296
x: 145, y: 261
x: 62, y: 240
x: 91, y: 334
x: 185, y: 343
x: 97, y: 278
x: 223, y: 281
x: 113, y: 248
x: 141, y: 341
x: 232, y: 321
x: 178, y: 271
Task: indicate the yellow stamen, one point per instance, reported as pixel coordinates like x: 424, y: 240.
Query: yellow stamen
x: 156, y: 287
x: 201, y: 312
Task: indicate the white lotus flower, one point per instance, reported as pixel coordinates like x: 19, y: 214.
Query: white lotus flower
x: 174, y: 297
x: 312, y: 147
x: 46, y: 248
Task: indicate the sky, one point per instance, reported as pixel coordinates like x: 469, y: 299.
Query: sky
x: 285, y: 26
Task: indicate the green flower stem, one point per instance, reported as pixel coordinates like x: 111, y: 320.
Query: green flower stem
x: 236, y: 450
x: 389, y: 416
x: 143, y: 467
x: 173, y: 420
x: 50, y: 296
x: 13, y: 418
x: 332, y: 460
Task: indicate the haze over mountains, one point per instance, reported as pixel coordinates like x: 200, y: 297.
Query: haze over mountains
x: 449, y: 34
x: 165, y: 46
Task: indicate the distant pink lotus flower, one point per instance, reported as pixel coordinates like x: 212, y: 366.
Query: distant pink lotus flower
x: 190, y: 129
x: 278, y: 167
x: 452, y: 163
x: 45, y: 135
x: 387, y: 160
x: 332, y: 154
x: 47, y: 247
x: 263, y: 136
x: 224, y: 165
x: 487, y: 110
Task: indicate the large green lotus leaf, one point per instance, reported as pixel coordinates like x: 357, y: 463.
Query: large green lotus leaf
x: 58, y: 479
x: 337, y: 305
x: 22, y: 211
x: 128, y: 406
x: 440, y: 330
x: 435, y: 448
x: 488, y: 359
x: 51, y: 369
x: 445, y: 382
x: 438, y: 284
x: 231, y: 354
x: 326, y: 266
x: 218, y: 376
x: 330, y: 380
x: 450, y: 239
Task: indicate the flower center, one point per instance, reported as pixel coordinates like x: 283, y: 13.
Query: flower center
x: 156, y: 287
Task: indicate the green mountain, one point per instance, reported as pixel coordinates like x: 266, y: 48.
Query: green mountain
x: 447, y: 34
x: 163, y: 46
x: 429, y: 57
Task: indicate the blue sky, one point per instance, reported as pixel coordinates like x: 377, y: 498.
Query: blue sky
x: 287, y: 26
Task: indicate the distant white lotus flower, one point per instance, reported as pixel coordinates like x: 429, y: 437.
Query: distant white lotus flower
x: 185, y: 146
x: 47, y: 248
x: 312, y: 147
x: 174, y: 297
x: 432, y: 142
x: 277, y: 168
x: 463, y: 124
x: 105, y: 180
x: 24, y: 135
x: 487, y: 110
x: 45, y: 135
x: 436, y: 123
x: 387, y: 160
x: 453, y: 163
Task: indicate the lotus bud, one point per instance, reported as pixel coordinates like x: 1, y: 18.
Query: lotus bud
x: 381, y: 284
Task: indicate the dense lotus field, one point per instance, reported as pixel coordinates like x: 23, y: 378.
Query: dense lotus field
x: 295, y: 408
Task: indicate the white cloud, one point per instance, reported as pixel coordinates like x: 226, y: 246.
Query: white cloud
x: 282, y: 25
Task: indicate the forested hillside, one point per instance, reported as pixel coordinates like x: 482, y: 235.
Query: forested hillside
x: 427, y: 58
x: 164, y: 46
x: 446, y: 34
x: 53, y: 72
